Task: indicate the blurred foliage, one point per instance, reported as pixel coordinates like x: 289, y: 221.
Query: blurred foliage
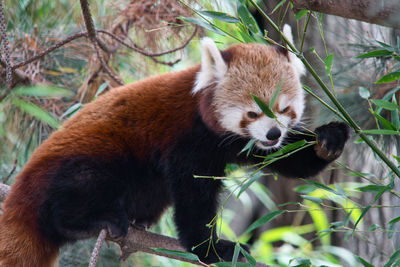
x: 29, y: 114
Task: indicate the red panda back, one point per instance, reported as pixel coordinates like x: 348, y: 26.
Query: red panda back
x: 136, y: 118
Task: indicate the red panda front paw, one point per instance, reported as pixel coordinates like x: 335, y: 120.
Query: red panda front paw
x: 222, y: 250
x: 331, y: 139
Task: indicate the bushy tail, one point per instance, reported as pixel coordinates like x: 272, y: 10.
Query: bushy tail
x: 20, y: 241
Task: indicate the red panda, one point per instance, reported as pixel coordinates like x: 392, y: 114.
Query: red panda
x: 133, y: 152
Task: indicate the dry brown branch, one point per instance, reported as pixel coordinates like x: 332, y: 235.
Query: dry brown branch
x: 93, y: 38
x: 150, y: 54
x: 50, y: 49
x: 384, y: 13
x: 138, y: 240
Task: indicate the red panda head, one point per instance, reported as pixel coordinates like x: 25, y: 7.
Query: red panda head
x: 230, y: 78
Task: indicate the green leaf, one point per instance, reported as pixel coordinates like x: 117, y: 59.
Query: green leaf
x: 72, y: 110
x: 219, y: 16
x: 393, y: 259
x: 375, y: 53
x: 263, y: 220
x: 249, y: 146
x: 183, y: 254
x: 385, y: 104
x: 249, y: 258
x: 247, y: 19
x: 386, y: 46
x: 254, y: 178
x: 300, y: 262
x: 370, y: 188
x: 304, y: 189
x: 36, y: 112
x: 389, y: 77
x: 366, y: 209
x: 364, y: 262
x: 42, y: 91
x: 275, y: 94
x: 301, y: 13
x: 204, y: 24
x: 278, y: 6
x: 386, y: 124
x: 373, y: 227
x: 379, y: 131
x: 229, y: 264
x: 322, y: 186
x: 395, y: 114
x: 102, y: 87
x: 235, y: 255
x: 364, y: 92
x: 264, y: 108
x: 286, y: 149
x: 313, y: 199
x: 329, y: 64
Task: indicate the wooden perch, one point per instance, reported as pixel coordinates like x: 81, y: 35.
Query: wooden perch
x: 138, y: 240
x: 384, y: 13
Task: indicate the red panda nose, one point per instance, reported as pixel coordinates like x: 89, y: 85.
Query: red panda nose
x: 274, y: 133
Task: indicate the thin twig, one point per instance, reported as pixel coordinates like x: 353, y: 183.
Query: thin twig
x: 97, y: 247
x: 150, y: 54
x: 50, y: 49
x: 92, y: 34
x: 5, y: 180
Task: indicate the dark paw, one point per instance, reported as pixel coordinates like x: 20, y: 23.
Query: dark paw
x: 117, y: 229
x: 331, y: 140
x: 221, y: 251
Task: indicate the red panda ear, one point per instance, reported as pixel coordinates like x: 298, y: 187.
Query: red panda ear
x: 213, y: 65
x: 293, y: 59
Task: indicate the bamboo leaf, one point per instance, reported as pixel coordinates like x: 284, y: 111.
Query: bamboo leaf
x: 386, y: 124
x: 371, y: 188
x: 301, y: 14
x: 204, y: 24
x: 375, y: 53
x: 249, y: 146
x: 249, y: 258
x: 329, y: 64
x: 264, y: 108
x: 42, y: 91
x: 286, y: 149
x: 263, y: 220
x: 247, y: 18
x: 275, y: 94
x: 364, y: 262
x: 364, y: 92
x: 182, y: 254
x: 366, y: 209
x: 384, y: 104
x: 219, y: 16
x: 393, y: 259
x: 389, y: 77
x: 278, y: 6
x: 36, y: 112
x: 313, y: 199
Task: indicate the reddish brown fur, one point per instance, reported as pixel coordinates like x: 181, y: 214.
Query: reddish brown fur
x: 140, y: 117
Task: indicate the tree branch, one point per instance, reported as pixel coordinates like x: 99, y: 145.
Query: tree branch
x: 138, y: 240
x: 384, y: 13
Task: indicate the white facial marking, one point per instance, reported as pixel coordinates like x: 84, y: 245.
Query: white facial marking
x: 283, y: 102
x: 213, y: 67
x: 230, y: 119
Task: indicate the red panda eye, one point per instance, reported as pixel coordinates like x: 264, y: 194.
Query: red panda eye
x: 285, y: 110
x: 252, y: 114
